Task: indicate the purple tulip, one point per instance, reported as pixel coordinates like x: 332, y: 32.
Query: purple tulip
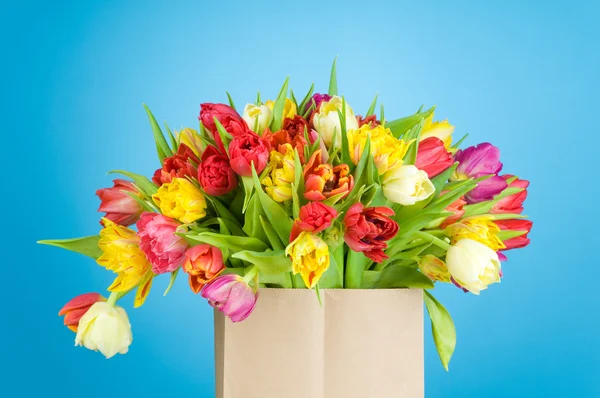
x: 231, y: 295
x: 317, y: 98
x: 478, y: 161
x: 486, y: 190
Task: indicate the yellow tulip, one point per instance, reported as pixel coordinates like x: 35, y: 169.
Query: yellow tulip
x: 289, y: 108
x: 481, y: 229
x: 182, y: 200
x: 386, y: 149
x: 310, y: 257
x: 278, y: 182
x: 121, y: 254
x: 442, y: 130
x: 105, y: 328
x: 191, y: 138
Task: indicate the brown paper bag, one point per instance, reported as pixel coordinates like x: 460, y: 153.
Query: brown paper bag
x: 359, y: 344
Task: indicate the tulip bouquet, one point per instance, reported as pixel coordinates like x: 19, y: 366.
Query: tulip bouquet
x: 306, y: 195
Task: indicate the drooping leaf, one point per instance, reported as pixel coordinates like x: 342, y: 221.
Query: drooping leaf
x: 88, y: 246
x: 162, y: 147
x: 268, y: 262
x: 442, y: 328
x: 233, y: 243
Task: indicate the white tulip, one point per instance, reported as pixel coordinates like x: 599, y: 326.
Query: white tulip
x: 257, y: 117
x: 105, y: 328
x: 406, y: 185
x: 327, y: 121
x: 473, y: 265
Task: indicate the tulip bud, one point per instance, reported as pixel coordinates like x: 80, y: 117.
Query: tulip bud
x: 105, y: 328
x: 473, y: 265
x: 257, y: 117
x: 77, y: 307
x: 231, y: 295
x: 192, y: 140
x: 119, y: 207
x: 407, y: 185
x: 434, y: 268
x: 327, y: 121
x: 441, y: 130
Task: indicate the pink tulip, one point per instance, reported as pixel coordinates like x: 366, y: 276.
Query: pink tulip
x: 119, y: 207
x: 478, y: 161
x: 231, y: 295
x: 164, y: 249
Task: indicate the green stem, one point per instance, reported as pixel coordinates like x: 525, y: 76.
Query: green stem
x: 114, y: 296
x: 250, y: 274
x: 436, y: 241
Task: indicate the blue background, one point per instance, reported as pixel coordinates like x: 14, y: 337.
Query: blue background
x: 523, y: 75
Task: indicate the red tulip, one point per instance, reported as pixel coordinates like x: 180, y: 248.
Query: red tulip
x: 292, y: 133
x: 314, y: 218
x: 515, y: 225
x: 371, y: 120
x: 227, y: 116
x: 513, y: 203
x: 248, y: 149
x: 215, y: 173
x: 369, y: 229
x: 77, y: 307
x: 432, y: 157
x: 182, y: 164
x: 119, y: 207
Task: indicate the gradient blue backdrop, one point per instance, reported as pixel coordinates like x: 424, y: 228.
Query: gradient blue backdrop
x: 523, y: 75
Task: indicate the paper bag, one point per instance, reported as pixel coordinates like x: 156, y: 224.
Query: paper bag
x: 358, y: 344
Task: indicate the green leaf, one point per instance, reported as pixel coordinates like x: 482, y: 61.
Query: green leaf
x: 248, y: 184
x: 484, y: 207
x: 231, y: 104
x: 441, y: 179
x: 252, y: 225
x: 333, y: 277
x: 509, y: 234
x: 396, y: 276
x: 222, y: 210
x: 293, y: 98
x: 277, y: 120
x: 346, y: 159
x: 382, y: 116
x: 174, y: 144
x: 455, y: 146
x: 162, y: 147
x: 360, y: 178
x: 268, y: 263
x: 274, y: 240
x: 298, y: 180
x: 172, y: 281
x: 233, y: 243
x: 88, y: 246
x: 401, y: 126
x: 146, y: 187
x: 333, y: 88
x: 306, y: 98
x: 224, y: 134
x: 442, y: 328
x: 373, y: 105
x: 356, y: 264
x: 274, y: 212
x: 145, y: 204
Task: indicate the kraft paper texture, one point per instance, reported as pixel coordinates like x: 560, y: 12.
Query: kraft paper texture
x: 359, y: 344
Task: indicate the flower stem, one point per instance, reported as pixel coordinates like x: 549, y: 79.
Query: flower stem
x: 114, y: 296
x: 436, y: 241
x: 250, y: 274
